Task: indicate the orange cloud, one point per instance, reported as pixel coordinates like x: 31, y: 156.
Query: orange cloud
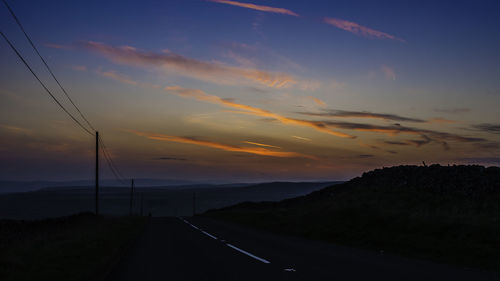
x: 15, y: 129
x: 257, y: 7
x: 262, y: 144
x: 360, y: 30
x: 207, y: 71
x: 301, y: 138
x: 318, y: 101
x: 246, y: 109
x: 225, y: 147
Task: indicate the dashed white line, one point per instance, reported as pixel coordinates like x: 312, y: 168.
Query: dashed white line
x: 208, y: 234
x: 247, y: 253
x: 229, y: 245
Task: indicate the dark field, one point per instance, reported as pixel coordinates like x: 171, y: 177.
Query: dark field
x: 445, y: 214
x: 79, y: 247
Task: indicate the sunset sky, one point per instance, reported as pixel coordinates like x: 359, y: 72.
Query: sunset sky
x: 226, y: 91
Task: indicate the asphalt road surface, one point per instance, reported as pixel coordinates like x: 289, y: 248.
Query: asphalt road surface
x: 204, y: 249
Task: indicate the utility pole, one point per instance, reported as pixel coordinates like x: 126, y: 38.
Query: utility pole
x: 97, y: 173
x: 131, y: 196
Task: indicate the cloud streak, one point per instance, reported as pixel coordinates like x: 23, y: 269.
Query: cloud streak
x: 360, y: 30
x: 262, y: 144
x: 257, y: 7
x: 318, y: 101
x: 456, y: 110
x: 246, y: 109
x: 330, y: 127
x: 488, y: 128
x: 117, y: 76
x: 363, y: 114
x: 202, y: 70
x: 301, y: 138
x: 226, y: 147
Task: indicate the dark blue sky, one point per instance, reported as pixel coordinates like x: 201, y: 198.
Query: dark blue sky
x: 252, y: 90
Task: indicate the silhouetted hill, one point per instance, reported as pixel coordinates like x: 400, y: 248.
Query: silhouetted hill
x: 24, y: 186
x: 447, y: 213
x: 174, y: 200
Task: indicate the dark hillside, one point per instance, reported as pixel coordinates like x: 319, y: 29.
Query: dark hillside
x: 445, y: 213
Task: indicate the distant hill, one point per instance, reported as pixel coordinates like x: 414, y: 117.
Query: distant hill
x: 445, y: 213
x: 24, y: 186
x: 173, y: 200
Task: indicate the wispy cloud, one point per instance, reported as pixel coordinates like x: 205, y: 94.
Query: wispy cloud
x: 389, y: 72
x: 79, y: 67
x: 225, y: 147
x: 262, y: 144
x: 330, y: 127
x: 246, y: 109
x: 301, y: 138
x: 374, y: 147
x: 170, y: 158
x: 488, y: 128
x: 456, y: 110
x: 364, y: 156
x: 362, y: 114
x: 360, y: 30
x: 441, y: 120
x: 398, y: 129
x: 257, y: 7
x: 397, y: 143
x: 318, y: 101
x: 15, y: 129
x: 203, y: 70
x: 117, y: 76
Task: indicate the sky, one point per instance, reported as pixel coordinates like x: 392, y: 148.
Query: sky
x: 237, y: 91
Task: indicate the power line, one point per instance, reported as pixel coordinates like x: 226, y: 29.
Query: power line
x: 110, y: 159
x: 43, y: 85
x: 45, y: 63
x: 111, y: 164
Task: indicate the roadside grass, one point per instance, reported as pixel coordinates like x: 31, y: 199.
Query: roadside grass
x: 78, y: 247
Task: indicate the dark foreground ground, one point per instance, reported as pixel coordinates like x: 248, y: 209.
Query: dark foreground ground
x: 79, y: 247
x: 198, y: 249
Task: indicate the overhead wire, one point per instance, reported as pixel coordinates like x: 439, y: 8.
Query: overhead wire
x: 46, y: 65
x: 43, y: 85
x: 111, y: 164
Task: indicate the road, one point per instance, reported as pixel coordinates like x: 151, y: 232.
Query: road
x: 203, y: 249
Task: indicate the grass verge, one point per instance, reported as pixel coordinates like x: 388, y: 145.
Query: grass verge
x: 78, y: 247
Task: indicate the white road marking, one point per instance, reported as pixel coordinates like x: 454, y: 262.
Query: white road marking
x: 247, y: 253
x: 208, y: 234
x: 290, y: 269
x: 232, y: 246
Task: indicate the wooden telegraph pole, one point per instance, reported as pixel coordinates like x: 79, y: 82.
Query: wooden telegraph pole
x: 97, y: 173
x: 131, y: 196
